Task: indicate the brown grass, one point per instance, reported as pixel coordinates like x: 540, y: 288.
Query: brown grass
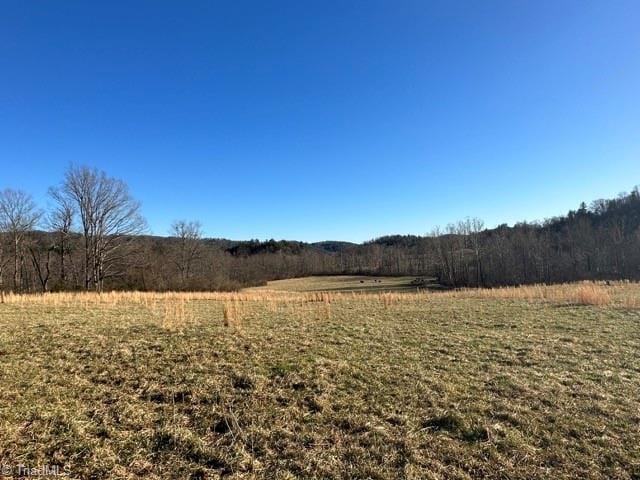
x: 232, y: 314
x: 592, y: 295
x: 583, y: 293
x: 619, y: 294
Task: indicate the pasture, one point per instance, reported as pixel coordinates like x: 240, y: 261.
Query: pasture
x: 324, y: 382
x: 349, y: 283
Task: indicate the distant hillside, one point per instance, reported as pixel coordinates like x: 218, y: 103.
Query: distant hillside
x: 333, y: 246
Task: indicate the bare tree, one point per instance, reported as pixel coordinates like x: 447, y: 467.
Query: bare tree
x: 189, y: 235
x: 41, y: 250
x: 3, y: 263
x: 60, y: 221
x: 18, y: 216
x: 475, y: 229
x: 109, y: 217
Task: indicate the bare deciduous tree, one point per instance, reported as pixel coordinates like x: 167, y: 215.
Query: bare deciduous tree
x: 109, y: 218
x: 3, y: 264
x: 18, y: 216
x: 41, y: 251
x: 60, y: 221
x: 189, y: 234
x: 476, y: 226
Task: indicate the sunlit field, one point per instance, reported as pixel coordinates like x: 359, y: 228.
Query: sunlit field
x: 350, y: 283
x: 325, y: 382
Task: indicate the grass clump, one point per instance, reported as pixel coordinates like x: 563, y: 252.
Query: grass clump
x: 449, y: 422
x: 592, y: 294
x: 455, y: 425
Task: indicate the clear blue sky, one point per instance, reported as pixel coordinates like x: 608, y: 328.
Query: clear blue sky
x: 319, y: 120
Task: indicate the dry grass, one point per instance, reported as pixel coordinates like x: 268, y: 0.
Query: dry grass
x: 584, y: 293
x: 620, y: 294
x: 530, y: 382
x: 344, y: 283
x: 592, y: 295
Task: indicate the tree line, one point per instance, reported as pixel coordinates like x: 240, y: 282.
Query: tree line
x: 596, y: 242
x: 92, y: 236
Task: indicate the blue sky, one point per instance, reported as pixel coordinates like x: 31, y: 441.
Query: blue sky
x: 316, y: 120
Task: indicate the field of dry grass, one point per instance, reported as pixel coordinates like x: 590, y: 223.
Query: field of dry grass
x: 347, y: 283
x: 531, y: 382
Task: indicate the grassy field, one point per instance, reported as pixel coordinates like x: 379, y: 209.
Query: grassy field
x: 537, y: 382
x: 349, y: 283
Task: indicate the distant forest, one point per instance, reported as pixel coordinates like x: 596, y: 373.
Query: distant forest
x: 92, y: 237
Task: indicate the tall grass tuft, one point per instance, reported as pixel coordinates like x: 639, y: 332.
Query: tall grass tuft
x: 591, y: 294
x: 231, y: 315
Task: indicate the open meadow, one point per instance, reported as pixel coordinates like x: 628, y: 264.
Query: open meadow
x: 348, y: 283
x: 323, y: 382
